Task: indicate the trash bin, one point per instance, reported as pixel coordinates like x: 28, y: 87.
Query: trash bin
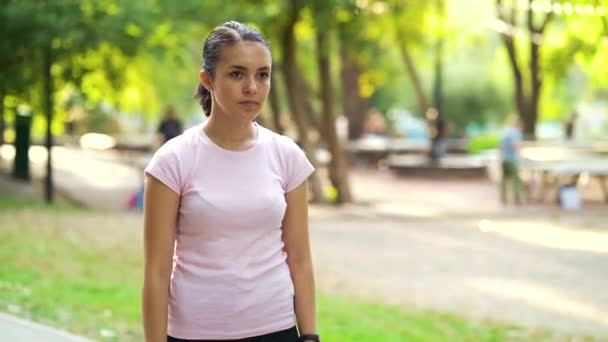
x: 23, y: 124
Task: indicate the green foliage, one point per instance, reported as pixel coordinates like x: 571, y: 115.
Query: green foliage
x: 560, y: 97
x: 138, y: 56
x: 396, y: 93
x: 571, y: 41
x: 471, y: 100
x: 87, y: 44
x: 482, y: 143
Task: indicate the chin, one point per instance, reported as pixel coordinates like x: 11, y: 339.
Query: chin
x: 249, y: 116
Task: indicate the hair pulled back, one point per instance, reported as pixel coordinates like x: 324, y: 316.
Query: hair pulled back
x: 228, y: 33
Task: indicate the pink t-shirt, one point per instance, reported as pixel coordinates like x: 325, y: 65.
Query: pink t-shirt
x: 230, y: 278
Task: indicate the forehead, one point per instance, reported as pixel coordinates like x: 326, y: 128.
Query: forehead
x: 252, y: 55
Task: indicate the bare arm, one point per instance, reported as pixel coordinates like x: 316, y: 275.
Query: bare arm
x: 299, y: 260
x: 160, y: 217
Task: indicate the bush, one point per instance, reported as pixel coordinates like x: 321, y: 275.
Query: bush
x: 483, y: 143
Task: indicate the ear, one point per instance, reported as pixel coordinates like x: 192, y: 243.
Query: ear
x: 205, y: 80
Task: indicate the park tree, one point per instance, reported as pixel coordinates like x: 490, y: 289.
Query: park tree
x: 557, y: 35
x: 324, y: 13
x: 297, y: 90
x: 410, y: 22
x: 354, y: 45
x: 527, y: 82
x: 578, y: 44
x: 16, y: 73
x: 368, y: 30
x: 355, y: 104
x: 51, y: 37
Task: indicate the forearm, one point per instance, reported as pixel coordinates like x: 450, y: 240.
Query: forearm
x: 155, y: 301
x: 305, y: 304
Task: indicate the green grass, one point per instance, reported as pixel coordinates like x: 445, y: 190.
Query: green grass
x: 483, y: 143
x: 81, y: 271
x: 12, y: 203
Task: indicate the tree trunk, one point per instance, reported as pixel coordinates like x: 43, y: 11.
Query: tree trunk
x: 526, y: 104
x: 531, y: 117
x: 290, y: 73
x: 518, y: 81
x: 275, y: 107
x: 519, y: 96
x: 354, y: 105
x: 438, y: 81
x: 412, y: 71
x: 536, y: 34
x: 305, y: 94
x: 438, y: 122
x: 2, y: 121
x: 338, y: 170
x: 48, y: 109
x: 521, y: 100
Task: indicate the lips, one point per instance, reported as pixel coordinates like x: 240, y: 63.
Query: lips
x: 250, y: 105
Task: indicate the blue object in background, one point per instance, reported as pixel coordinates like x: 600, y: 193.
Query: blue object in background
x: 139, y: 204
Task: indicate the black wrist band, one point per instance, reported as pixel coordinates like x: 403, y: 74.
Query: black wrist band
x: 310, y: 337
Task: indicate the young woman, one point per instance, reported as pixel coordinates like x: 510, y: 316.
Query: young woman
x: 226, y: 242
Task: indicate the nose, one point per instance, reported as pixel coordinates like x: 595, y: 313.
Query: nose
x: 250, y: 86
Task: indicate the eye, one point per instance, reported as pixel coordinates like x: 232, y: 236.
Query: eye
x: 264, y: 75
x: 236, y: 74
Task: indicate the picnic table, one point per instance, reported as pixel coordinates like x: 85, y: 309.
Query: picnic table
x: 555, y: 166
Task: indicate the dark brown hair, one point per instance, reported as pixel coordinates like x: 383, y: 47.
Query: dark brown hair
x: 227, y: 34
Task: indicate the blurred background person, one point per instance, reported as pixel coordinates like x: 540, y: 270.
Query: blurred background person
x: 170, y: 126
x: 510, y: 144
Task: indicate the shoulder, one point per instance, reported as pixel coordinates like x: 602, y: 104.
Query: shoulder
x: 174, y: 161
x: 283, y: 149
x: 181, y: 146
x: 294, y: 166
x: 281, y: 142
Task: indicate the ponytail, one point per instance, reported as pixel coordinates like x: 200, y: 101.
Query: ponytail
x: 204, y: 98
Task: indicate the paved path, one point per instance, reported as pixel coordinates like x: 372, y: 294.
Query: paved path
x: 99, y: 180
x: 14, y: 329
x: 103, y: 180
x: 538, y: 273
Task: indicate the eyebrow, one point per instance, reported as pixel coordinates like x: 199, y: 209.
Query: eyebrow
x: 240, y: 67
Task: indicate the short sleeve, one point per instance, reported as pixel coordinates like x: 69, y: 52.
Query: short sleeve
x: 166, y: 167
x: 297, y: 167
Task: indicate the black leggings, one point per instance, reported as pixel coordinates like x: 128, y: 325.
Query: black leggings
x: 289, y: 335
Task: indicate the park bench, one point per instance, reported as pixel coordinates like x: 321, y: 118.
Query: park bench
x: 449, y: 166
x: 374, y: 149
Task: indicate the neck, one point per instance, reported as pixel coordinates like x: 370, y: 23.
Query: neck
x: 229, y: 134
